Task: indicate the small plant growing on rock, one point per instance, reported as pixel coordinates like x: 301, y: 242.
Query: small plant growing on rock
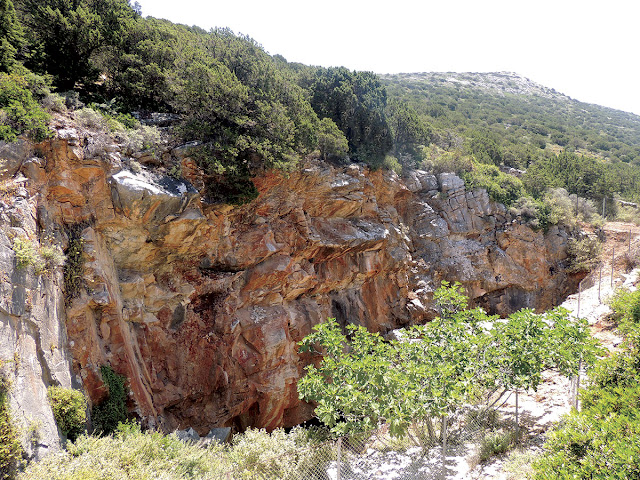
x: 25, y: 252
x: 52, y: 258
x: 43, y: 259
x: 73, y: 266
x: 69, y: 409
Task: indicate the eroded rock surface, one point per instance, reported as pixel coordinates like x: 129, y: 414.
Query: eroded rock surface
x: 201, y: 306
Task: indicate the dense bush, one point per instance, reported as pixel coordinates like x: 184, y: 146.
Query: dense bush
x: 130, y: 454
x: 69, y: 409
x: 501, y: 187
x: 113, y: 410
x: 19, y: 109
x: 10, y: 447
x: 584, y: 254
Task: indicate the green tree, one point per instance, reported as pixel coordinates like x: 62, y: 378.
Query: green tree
x: 65, y: 34
x: 19, y: 110
x: 331, y: 141
x: 356, y: 102
x: 408, y: 129
x: 363, y: 380
x: 11, y: 35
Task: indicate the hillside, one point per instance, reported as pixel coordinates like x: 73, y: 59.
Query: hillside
x: 520, y: 112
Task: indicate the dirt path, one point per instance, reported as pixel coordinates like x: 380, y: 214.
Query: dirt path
x: 554, y: 398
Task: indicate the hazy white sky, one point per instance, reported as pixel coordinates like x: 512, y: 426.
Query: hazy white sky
x: 586, y: 49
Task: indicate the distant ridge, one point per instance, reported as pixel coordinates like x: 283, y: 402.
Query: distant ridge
x: 499, y: 82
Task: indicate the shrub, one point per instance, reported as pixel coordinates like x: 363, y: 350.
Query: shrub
x: 51, y: 256
x: 43, y: 259
x: 625, y: 306
x: 69, y: 409
x: 113, y: 410
x: 54, y: 102
x: 391, y: 163
x: 495, y: 443
x: 10, y: 447
x: 131, y: 454
x: 501, y: 187
x: 141, y: 138
x: 439, y: 161
x: 88, y: 118
x: 25, y: 252
x: 258, y: 454
x: 19, y: 110
x: 584, y: 254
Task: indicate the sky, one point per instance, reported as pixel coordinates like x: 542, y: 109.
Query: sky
x: 589, y: 50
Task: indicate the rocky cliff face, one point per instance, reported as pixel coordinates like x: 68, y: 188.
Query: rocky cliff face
x: 200, y: 306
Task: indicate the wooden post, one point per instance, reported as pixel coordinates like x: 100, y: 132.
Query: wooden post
x: 339, y: 462
x: 604, y: 202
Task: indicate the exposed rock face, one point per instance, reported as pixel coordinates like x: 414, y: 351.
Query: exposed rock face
x: 201, y: 306
x: 33, y: 342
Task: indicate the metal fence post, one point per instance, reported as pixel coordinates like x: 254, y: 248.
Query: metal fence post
x: 578, y: 382
x: 444, y: 445
x: 579, y: 295
x: 613, y: 261
x: 517, y: 421
x: 339, y: 458
x: 600, y: 284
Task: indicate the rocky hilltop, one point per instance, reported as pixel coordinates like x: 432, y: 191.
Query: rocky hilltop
x: 200, y: 306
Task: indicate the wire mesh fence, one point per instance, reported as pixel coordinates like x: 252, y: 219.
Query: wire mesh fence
x: 434, y: 449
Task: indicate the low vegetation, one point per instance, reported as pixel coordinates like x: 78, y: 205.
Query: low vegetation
x: 42, y: 258
x: 113, y: 409
x: 73, y: 269
x: 129, y: 453
x: 10, y: 447
x: 602, y: 440
x: 69, y: 409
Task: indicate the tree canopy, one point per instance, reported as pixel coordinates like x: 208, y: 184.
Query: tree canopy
x: 363, y: 380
